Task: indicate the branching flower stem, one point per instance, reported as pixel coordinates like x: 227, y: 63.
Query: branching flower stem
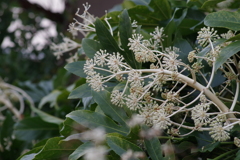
x: 190, y: 82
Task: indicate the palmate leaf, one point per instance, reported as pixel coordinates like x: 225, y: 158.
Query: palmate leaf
x: 226, y: 53
x: 225, y: 19
x: 93, y: 119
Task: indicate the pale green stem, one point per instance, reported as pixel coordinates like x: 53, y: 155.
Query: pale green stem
x: 235, y: 97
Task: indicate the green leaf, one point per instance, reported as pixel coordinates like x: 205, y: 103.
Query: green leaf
x: 80, y: 151
x: 6, y: 129
x: 80, y: 92
x: 92, y: 120
x: 210, y: 4
x: 162, y: 9
x: 90, y: 47
x: 142, y: 15
x: 47, y: 117
x: 226, y: 53
x: 103, y: 99
x: 54, y: 150
x: 153, y: 147
x: 125, y: 32
x: 234, y: 38
x: 106, y: 39
x: 120, y: 145
x: 76, y: 68
x: 225, y: 19
x: 237, y: 155
x: 184, y: 48
x: 208, y: 48
x: 34, y: 128
x: 30, y: 154
x: 70, y: 127
x: 210, y: 147
x: 51, y: 98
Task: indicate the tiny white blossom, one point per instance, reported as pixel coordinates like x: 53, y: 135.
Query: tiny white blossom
x: 115, y: 61
x: 158, y: 34
x: 132, y: 102
x: 117, y: 98
x: 219, y: 132
x: 205, y: 35
x: 160, y: 119
x: 199, y: 114
x: 95, y: 81
x: 100, y: 57
x: 66, y: 46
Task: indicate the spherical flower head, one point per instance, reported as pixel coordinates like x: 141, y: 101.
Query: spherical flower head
x: 95, y: 81
x: 133, y: 102
x: 117, y: 98
x: 100, y: 57
x: 135, y: 42
x: 160, y: 119
x: 197, y: 66
x: 191, y: 56
x: 115, y: 61
x: 134, y: 77
x: 88, y: 67
x: 199, y: 114
x: 158, y: 34
x: 219, y: 132
x: 170, y: 61
x: 206, y: 35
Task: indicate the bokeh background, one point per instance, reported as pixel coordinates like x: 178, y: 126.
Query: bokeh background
x: 28, y: 27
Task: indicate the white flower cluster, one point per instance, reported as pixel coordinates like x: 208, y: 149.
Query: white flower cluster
x: 67, y: 45
x: 87, y: 24
x: 158, y: 94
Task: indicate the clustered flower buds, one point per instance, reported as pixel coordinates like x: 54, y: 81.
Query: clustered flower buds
x: 158, y: 94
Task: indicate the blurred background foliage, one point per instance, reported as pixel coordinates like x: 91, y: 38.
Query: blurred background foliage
x: 27, y: 29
